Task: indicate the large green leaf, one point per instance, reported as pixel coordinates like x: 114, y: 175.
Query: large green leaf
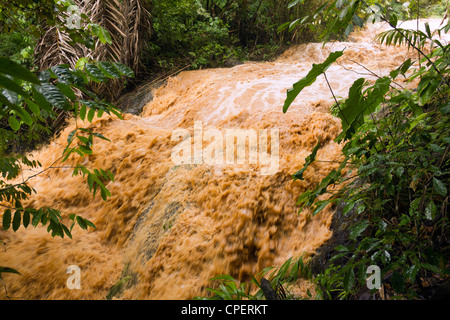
x: 9, y: 84
x: 63, y: 74
x: 109, y: 70
x: 310, y: 78
x: 376, y: 95
x: 53, y: 95
x: 349, y: 110
x: 95, y: 73
x: 17, y: 71
x: 123, y: 69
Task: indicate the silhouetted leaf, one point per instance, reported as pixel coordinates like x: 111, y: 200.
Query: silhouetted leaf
x: 310, y: 78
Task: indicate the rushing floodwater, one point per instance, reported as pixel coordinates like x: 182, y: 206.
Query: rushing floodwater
x: 171, y: 227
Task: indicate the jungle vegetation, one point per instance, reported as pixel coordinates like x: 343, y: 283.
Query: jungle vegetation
x: 73, y: 58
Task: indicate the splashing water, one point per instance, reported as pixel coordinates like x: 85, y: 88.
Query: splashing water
x: 168, y: 228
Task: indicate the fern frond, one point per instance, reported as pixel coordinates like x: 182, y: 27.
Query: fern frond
x: 398, y: 36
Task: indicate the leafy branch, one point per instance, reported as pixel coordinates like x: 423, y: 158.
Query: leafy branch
x: 399, y: 193
x: 53, y: 90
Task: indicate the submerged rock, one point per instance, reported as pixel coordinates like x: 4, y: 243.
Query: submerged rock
x: 134, y: 102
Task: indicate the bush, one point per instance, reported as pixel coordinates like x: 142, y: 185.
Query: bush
x: 395, y: 175
x: 184, y: 33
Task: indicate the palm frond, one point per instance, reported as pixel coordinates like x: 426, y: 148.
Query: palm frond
x: 127, y: 21
x: 398, y: 36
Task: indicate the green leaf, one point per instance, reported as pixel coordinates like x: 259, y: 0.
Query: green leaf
x: 17, y: 71
x: 440, y: 187
x: 98, y: 135
x: 81, y: 63
x: 349, y: 206
x: 33, y: 107
x: 81, y: 222
x: 430, y: 210
x: 85, y: 149
x: 95, y: 73
x: 90, y: 224
x: 7, y: 270
x: 12, y: 97
x: 91, y: 115
x: 123, y: 69
x: 358, y: 21
x: 67, y: 91
x: 428, y: 31
x: 25, y: 116
x: 66, y: 231
x: 446, y: 109
x: 393, y: 21
x: 5, y: 100
x: 13, y: 123
x: 310, y: 78
x: 320, y: 206
x: 9, y: 84
x: 41, y: 101
x: 358, y: 228
x: 6, y: 219
x: 430, y: 267
x: 63, y: 74
x: 105, y: 193
x: 102, y: 34
x: 26, y: 218
x: 71, y: 136
x: 284, y: 268
x: 53, y: 95
x: 223, y: 277
x: 310, y: 159
x: 376, y: 95
x: 109, y: 70
x: 349, y: 29
x: 349, y: 279
x: 427, y: 92
x: 16, y: 220
x: 412, y: 272
x: 341, y: 248
x: 405, y: 66
x: 351, y: 109
x: 84, y: 140
x: 294, y: 3
x: 36, y: 217
x: 83, y: 110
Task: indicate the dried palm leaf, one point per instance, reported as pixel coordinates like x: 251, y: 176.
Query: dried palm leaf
x: 127, y: 21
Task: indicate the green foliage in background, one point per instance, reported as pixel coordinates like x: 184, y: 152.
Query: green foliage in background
x: 184, y: 32
x: 214, y: 33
